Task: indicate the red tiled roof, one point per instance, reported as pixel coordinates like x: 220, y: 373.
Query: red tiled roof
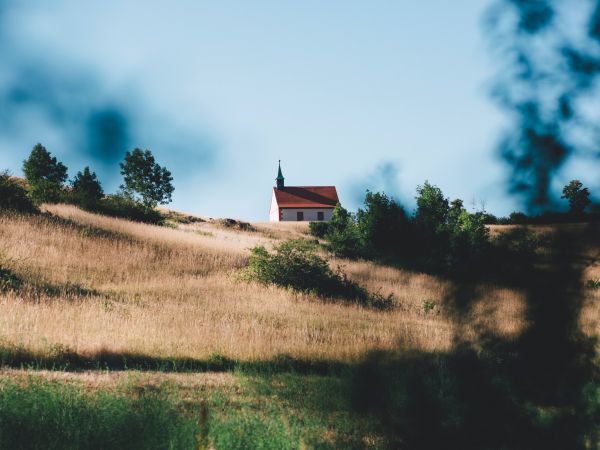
x: 306, y: 197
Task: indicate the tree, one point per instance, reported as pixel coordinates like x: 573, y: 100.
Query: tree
x: 455, y: 211
x: 578, y: 197
x: 145, y: 180
x: 45, y: 175
x: 468, y: 242
x: 342, y: 233
x: 432, y: 208
x: 87, y: 190
x: 382, y: 223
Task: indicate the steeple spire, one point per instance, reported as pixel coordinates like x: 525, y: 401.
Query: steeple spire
x: 280, y: 179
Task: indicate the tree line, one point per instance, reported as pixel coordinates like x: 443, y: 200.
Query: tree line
x: 439, y: 236
x: 146, y: 184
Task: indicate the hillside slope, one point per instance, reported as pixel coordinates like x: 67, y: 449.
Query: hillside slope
x: 122, y: 286
x: 87, y: 292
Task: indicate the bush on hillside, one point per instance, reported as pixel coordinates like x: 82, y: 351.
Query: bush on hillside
x: 86, y: 190
x: 446, y: 237
x: 518, y: 218
x: 432, y: 209
x: 120, y: 205
x: 13, y: 196
x: 295, y: 265
x: 342, y: 234
x: 490, y: 219
x: 468, y: 243
x: 383, y: 225
x: 318, y: 229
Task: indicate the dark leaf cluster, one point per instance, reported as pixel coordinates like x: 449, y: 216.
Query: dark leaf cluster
x: 45, y: 175
x: 440, y: 236
x: 13, y: 195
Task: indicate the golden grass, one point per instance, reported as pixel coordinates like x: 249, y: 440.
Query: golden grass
x: 171, y: 293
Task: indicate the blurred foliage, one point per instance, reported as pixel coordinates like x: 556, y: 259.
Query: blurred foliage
x: 549, y: 56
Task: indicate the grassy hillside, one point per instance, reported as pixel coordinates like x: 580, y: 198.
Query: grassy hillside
x: 117, y: 306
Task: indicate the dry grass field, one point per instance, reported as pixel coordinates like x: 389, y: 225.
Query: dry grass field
x: 93, y: 285
x: 129, y: 287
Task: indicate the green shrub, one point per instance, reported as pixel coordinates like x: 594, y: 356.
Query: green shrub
x: 382, y: 225
x: 8, y: 280
x: 119, y: 205
x: 44, y: 415
x: 593, y: 284
x: 428, y: 305
x: 295, y: 265
x: 468, y: 242
x: 518, y: 218
x: 490, y: 219
x: 343, y: 234
x: 86, y: 190
x: 432, y: 208
x: 13, y: 195
x: 318, y: 229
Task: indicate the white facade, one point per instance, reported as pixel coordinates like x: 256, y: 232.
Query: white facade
x: 308, y: 214
x: 274, y: 211
x: 277, y: 214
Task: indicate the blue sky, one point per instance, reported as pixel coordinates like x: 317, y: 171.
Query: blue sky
x: 378, y: 94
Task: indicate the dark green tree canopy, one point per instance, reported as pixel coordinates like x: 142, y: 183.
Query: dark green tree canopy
x: 432, y: 207
x: 87, y: 190
x: 42, y: 166
x: 381, y: 222
x: 577, y: 195
x: 145, y: 180
x: 45, y: 175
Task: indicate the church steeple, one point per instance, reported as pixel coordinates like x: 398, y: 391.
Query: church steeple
x: 280, y: 179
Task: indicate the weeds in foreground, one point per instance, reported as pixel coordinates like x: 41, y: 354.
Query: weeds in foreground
x: 45, y: 415
x: 593, y: 284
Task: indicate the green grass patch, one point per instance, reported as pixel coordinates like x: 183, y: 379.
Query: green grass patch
x: 46, y: 415
x: 290, y: 411
x: 248, y: 411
